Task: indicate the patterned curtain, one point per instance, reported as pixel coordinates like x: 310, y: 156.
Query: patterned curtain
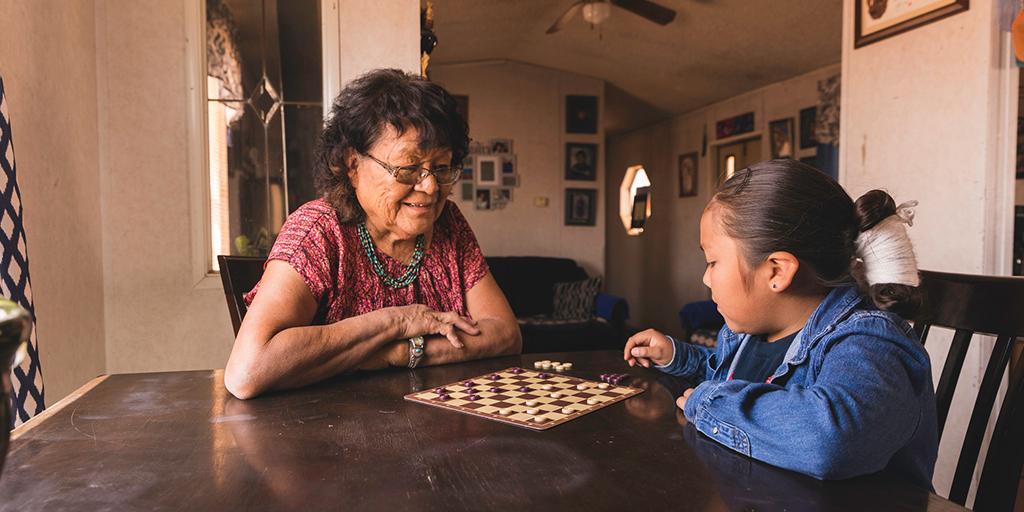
x: 27, y: 396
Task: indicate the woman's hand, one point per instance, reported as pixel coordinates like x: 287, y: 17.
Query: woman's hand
x: 419, y: 320
x: 646, y: 347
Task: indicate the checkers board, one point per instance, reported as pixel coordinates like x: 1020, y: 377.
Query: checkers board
x: 510, y: 395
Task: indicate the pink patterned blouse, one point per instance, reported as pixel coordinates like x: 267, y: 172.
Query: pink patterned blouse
x: 330, y: 259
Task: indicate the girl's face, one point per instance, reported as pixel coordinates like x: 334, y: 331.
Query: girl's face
x: 742, y: 300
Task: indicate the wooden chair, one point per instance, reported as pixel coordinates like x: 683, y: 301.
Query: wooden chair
x: 239, y: 274
x: 993, y: 306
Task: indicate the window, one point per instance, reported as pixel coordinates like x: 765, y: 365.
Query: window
x: 263, y: 110
x: 635, y: 200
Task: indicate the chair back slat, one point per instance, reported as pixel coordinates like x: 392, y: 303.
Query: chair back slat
x: 988, y: 305
x: 921, y: 329
x: 951, y: 374
x: 239, y: 274
x: 979, y: 418
x: 1000, y: 476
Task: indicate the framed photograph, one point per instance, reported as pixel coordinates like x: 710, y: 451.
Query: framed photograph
x: 874, y: 20
x: 500, y: 197
x: 467, y: 168
x: 580, y: 206
x: 581, y: 114
x: 488, y: 170
x: 508, y: 164
x: 580, y: 161
x: 483, y: 199
x: 500, y: 146
x: 687, y: 175
x: 468, y: 191
x: 780, y: 137
x: 638, y: 217
x: 807, y: 120
x: 737, y: 125
x: 508, y: 180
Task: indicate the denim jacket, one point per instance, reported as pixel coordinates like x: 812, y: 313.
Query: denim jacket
x: 857, y: 398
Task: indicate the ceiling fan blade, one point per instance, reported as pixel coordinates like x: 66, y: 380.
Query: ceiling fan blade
x: 649, y: 10
x: 565, y: 17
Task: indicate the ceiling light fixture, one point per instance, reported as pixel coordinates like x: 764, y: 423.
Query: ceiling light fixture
x: 596, y: 12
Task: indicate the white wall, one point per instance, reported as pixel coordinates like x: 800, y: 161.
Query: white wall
x: 527, y: 104
x: 660, y: 270
x: 370, y: 34
x: 49, y: 71
x: 922, y: 117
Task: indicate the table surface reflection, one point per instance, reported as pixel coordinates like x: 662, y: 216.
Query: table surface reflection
x: 180, y: 441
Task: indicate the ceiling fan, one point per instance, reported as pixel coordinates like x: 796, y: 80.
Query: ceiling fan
x: 596, y: 11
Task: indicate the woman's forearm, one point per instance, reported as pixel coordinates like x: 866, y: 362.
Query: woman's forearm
x: 298, y: 356
x: 496, y: 338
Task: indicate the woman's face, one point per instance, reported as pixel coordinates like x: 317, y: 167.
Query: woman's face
x: 404, y: 211
x: 733, y: 284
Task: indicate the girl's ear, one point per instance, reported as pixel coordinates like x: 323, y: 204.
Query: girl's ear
x: 782, y: 267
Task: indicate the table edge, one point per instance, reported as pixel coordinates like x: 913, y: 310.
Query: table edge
x: 55, y: 408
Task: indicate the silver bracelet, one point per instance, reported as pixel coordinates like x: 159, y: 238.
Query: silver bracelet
x: 416, y: 350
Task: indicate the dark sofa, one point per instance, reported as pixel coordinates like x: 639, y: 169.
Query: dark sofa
x: 528, y: 283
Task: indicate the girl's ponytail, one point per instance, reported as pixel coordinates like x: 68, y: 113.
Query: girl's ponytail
x: 885, y: 264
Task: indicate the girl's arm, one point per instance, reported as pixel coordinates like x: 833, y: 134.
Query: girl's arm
x: 864, y: 406
x: 652, y: 348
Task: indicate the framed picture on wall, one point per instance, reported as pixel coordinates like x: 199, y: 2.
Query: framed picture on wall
x: 808, y: 117
x: 483, y: 199
x: 580, y: 161
x: 500, y: 145
x: 780, y: 137
x: 581, y: 114
x: 580, y: 206
x: 688, y: 174
x: 737, y: 125
x: 488, y: 170
x: 875, y: 20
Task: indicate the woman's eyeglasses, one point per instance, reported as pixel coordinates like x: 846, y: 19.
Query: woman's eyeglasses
x: 413, y: 174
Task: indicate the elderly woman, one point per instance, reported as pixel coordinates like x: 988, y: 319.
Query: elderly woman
x: 383, y: 270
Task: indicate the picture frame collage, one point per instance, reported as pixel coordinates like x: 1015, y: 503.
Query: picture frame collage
x: 489, y: 173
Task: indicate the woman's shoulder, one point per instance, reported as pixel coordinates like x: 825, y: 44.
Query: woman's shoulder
x: 315, y: 222
x: 317, y: 215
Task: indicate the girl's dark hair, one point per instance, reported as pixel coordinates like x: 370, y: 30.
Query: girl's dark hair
x: 786, y: 205
x: 358, y: 117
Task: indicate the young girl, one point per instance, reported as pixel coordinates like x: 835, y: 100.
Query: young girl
x: 809, y: 374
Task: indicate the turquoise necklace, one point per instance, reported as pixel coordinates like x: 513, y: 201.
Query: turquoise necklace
x: 411, y: 272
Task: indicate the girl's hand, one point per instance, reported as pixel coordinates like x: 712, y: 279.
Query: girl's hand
x: 681, y: 401
x: 646, y: 347
x: 419, y: 320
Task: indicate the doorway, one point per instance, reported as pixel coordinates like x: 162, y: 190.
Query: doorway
x: 734, y: 156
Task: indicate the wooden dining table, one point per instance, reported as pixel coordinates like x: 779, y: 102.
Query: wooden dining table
x: 180, y: 441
